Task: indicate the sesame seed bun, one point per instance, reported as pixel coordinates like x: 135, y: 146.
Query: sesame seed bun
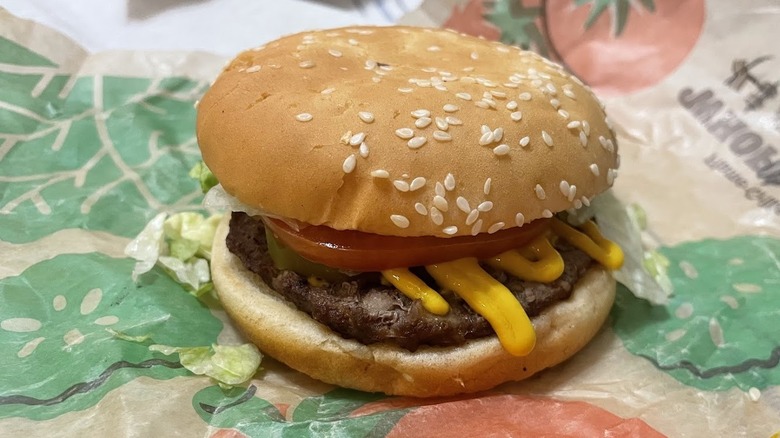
x: 380, y: 129
x: 292, y: 337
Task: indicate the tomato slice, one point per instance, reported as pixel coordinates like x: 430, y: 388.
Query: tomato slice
x: 359, y: 251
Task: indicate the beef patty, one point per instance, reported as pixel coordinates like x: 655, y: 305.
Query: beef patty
x: 369, y: 310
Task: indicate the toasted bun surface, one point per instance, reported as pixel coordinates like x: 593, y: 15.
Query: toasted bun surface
x: 292, y: 337
x: 362, y: 128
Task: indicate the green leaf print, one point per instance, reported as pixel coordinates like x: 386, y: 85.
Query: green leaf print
x: 94, y: 152
x: 719, y: 330
x: 517, y: 24
x: 619, y: 8
x: 58, y: 354
x: 330, y: 414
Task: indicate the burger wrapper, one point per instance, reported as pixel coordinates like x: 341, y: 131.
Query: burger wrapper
x: 94, y: 146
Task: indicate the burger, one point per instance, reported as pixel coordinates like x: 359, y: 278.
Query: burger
x: 401, y: 204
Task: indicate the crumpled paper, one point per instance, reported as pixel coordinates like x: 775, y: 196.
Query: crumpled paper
x: 93, y: 146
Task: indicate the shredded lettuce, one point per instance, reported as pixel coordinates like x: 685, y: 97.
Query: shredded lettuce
x: 181, y: 245
x: 644, y: 270
x: 228, y: 365
x: 204, y: 176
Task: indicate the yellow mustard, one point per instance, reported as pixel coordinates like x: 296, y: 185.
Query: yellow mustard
x: 490, y: 299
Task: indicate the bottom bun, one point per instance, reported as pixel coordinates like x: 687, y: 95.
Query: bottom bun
x: 292, y: 337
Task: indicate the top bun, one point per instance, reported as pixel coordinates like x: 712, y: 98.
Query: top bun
x: 404, y: 131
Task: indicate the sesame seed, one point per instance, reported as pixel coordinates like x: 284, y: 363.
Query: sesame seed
x: 519, y: 219
x: 564, y: 186
x: 380, y: 173
x: 304, y: 117
x: 468, y: 69
x: 416, y: 142
x: 450, y: 108
x: 366, y: 116
x: 352, y: 42
x: 555, y: 103
x: 440, y: 87
x: 563, y: 113
x: 502, y: 49
x: 449, y: 182
x: 404, y: 133
x: 345, y: 138
x: 551, y: 88
x: 474, y: 55
x: 498, y: 134
x: 516, y: 116
x: 405, y: 90
x: 442, y: 124
x: 436, y: 216
x: 524, y: 141
x: 594, y: 168
x: 485, y: 206
x: 439, y: 189
x: 464, y: 96
x: 472, y: 217
x: 547, y: 213
x: 306, y: 64
x: 452, y: 229
x: 486, y: 103
x: 572, y: 192
x: 585, y: 201
x: 583, y: 139
x: 349, y: 164
x: 420, y: 208
x: 428, y: 69
x: 463, y: 204
x: 586, y: 127
x: 510, y: 85
x: 547, y: 139
x: 577, y: 204
x: 524, y: 96
x: 498, y: 94
x: 454, y: 121
x: 370, y: 64
x: 253, y: 69
x: 327, y: 91
x: 569, y: 93
x: 476, y: 228
x: 468, y: 80
x: 501, y: 150
x: 486, y: 138
x: 610, y: 145
x: 484, y: 129
x: 540, y: 192
x: 574, y: 124
x: 441, y: 203
x: 434, y: 49
x: 399, y: 220
x: 335, y: 53
x: 486, y: 187
x: 536, y: 82
x: 608, y: 122
x: 754, y: 394
x: 617, y: 161
x: 511, y: 105
x: 417, y: 183
x: 376, y: 79
x: 401, y: 185
x: 385, y: 67
x: 603, y: 141
x: 422, y: 122
x: 363, y: 150
x: 441, y: 136
x: 495, y: 227
x: 420, y: 113
x: 611, y: 175
x: 356, y: 139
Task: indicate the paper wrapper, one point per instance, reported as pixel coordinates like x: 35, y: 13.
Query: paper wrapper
x: 93, y: 146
